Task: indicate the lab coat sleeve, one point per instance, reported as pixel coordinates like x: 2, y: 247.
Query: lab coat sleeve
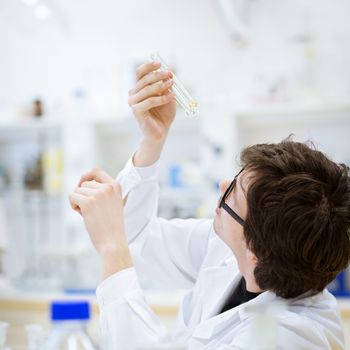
x: 168, y: 252
x: 125, y: 317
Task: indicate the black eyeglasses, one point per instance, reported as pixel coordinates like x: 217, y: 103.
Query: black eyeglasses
x: 222, y: 203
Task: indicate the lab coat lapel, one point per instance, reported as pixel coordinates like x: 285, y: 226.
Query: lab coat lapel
x: 216, y: 279
x: 214, y: 284
x: 217, y: 285
x: 208, y: 328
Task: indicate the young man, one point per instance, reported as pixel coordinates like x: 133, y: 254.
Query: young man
x: 280, y: 233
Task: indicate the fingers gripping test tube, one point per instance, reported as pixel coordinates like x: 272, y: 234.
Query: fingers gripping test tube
x: 183, y: 98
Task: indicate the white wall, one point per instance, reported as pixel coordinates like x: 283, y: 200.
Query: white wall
x: 93, y: 45
x: 90, y: 43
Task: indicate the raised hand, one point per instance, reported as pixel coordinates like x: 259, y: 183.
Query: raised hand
x: 152, y: 101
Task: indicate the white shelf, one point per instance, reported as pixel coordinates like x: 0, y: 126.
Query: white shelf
x: 29, y: 124
x: 285, y: 114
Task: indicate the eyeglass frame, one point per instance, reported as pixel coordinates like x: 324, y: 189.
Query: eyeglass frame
x: 222, y: 204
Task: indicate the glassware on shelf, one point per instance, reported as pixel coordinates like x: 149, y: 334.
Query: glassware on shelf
x: 35, y: 336
x: 3, y: 335
x: 182, y: 96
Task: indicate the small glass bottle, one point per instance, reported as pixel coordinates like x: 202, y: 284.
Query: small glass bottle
x: 69, y: 327
x: 3, y: 335
x: 35, y: 336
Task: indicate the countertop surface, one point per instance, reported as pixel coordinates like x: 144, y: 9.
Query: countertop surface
x: 161, y: 300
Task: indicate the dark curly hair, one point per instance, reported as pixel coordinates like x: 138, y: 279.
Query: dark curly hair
x: 298, y: 222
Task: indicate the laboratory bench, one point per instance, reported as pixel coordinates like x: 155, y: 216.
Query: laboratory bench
x: 22, y: 308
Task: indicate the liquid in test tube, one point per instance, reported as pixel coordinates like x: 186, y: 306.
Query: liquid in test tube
x: 182, y: 96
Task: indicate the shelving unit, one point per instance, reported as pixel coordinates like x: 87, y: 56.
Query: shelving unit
x: 48, y: 244
x: 47, y: 249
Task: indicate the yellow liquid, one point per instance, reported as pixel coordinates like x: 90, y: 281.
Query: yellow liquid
x: 193, y: 106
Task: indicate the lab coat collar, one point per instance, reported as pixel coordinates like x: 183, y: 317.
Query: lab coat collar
x: 208, y: 328
x: 305, y: 300
x: 216, y: 324
x: 262, y: 299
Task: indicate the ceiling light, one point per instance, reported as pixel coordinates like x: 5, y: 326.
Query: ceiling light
x: 42, y: 12
x: 30, y: 2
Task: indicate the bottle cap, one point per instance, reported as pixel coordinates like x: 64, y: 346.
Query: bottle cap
x: 70, y: 310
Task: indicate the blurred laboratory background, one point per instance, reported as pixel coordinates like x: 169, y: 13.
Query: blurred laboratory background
x: 260, y: 71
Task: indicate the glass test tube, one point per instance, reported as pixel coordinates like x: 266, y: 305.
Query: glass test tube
x: 183, y: 98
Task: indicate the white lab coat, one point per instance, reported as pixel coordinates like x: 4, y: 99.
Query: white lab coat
x: 188, y: 254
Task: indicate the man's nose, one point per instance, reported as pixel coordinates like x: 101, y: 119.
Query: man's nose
x: 224, y: 185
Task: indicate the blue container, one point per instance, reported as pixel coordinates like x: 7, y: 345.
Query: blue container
x: 70, y: 310
x: 69, y: 327
x: 339, y: 287
x: 175, y: 172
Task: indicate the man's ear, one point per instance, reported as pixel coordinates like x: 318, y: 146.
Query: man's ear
x: 251, y: 256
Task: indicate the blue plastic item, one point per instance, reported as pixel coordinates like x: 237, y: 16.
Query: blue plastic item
x: 70, y: 310
x: 339, y: 286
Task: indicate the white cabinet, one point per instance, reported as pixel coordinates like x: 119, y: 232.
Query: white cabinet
x: 327, y: 126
